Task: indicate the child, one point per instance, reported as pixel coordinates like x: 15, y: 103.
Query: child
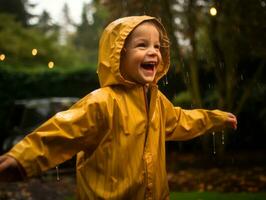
x: 118, y: 131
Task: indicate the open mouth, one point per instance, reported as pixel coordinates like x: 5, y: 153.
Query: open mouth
x: 148, y: 65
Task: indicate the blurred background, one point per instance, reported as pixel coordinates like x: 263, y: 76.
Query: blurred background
x: 48, y: 60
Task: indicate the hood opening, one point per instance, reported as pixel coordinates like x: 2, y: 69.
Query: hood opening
x: 111, y: 49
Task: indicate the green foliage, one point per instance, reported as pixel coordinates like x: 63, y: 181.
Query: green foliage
x: 17, y: 42
x: 88, y: 33
x: 216, y: 196
x: 70, y: 198
x: 78, y: 49
x: 14, y: 40
x: 45, y: 24
x: 26, y: 83
x: 17, y: 8
x: 182, y: 99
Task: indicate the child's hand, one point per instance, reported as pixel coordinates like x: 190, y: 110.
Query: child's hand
x: 10, y: 169
x: 232, y: 121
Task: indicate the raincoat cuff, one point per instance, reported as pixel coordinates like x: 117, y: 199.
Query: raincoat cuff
x: 22, y: 172
x: 221, y: 116
x: 26, y: 169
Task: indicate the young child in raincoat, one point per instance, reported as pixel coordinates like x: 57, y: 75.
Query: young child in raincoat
x: 118, y: 131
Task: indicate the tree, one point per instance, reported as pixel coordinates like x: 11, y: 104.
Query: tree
x: 93, y: 19
x: 66, y: 25
x: 17, y: 8
x: 17, y: 43
x: 46, y: 25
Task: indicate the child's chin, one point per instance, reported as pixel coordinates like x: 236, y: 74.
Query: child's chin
x: 148, y: 80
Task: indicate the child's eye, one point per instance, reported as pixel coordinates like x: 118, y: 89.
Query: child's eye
x: 157, y: 46
x: 141, y: 45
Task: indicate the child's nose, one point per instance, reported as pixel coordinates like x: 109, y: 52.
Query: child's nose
x: 152, y: 51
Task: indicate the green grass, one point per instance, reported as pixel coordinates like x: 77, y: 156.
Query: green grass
x: 209, y: 196
x: 70, y: 198
x: 216, y: 196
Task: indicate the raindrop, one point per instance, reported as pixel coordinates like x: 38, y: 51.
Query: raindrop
x: 187, y: 77
x: 57, y: 173
x: 222, y: 137
x: 183, y: 64
x: 262, y: 3
x: 213, y: 143
x: 242, y: 77
x: 221, y: 64
x: 259, y: 86
x: 124, y: 4
x: 165, y: 81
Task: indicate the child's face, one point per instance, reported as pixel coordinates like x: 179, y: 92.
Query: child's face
x: 141, y: 55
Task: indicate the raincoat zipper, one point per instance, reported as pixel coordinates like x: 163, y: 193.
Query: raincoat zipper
x: 145, y: 142
x: 147, y: 114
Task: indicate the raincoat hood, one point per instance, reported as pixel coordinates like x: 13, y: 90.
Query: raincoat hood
x: 111, y: 44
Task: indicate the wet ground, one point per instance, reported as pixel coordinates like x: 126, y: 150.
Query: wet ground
x: 189, y: 176
x: 47, y: 188
x: 219, y: 180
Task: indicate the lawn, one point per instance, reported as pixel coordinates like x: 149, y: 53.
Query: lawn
x: 211, y: 196
x: 216, y: 196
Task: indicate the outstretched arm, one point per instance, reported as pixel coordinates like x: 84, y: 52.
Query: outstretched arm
x: 181, y: 124
x: 59, y: 139
x: 188, y: 124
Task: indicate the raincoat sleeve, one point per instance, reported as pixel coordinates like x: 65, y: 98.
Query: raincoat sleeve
x: 181, y: 124
x: 61, y: 137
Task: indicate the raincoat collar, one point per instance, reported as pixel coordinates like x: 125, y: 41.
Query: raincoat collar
x: 111, y: 44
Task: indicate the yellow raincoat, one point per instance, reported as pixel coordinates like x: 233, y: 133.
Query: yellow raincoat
x: 119, y: 137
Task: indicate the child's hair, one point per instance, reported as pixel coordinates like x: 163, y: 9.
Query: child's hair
x: 164, y: 41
